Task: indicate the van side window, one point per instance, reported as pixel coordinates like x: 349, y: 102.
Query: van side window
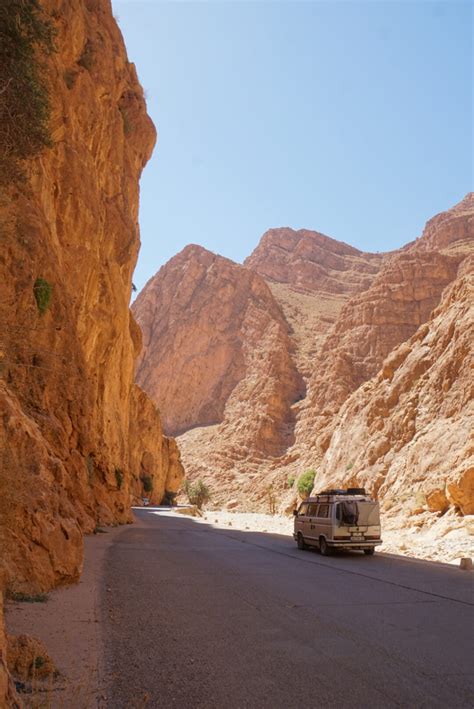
x: 312, y: 510
x: 303, y: 510
x: 323, y: 511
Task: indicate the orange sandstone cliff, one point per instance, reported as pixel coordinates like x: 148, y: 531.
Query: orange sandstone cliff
x: 79, y: 441
x: 217, y: 352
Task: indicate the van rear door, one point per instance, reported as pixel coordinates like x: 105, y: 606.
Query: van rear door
x: 369, y: 518
x: 369, y: 514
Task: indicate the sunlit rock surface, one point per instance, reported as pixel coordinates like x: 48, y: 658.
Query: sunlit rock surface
x: 349, y: 316
x: 77, y: 437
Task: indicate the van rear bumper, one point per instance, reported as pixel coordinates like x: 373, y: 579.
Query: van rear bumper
x: 366, y: 544
x: 346, y: 544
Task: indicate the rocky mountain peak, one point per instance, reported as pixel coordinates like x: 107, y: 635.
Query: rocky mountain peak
x: 201, y: 316
x: 452, y: 230
x: 311, y: 261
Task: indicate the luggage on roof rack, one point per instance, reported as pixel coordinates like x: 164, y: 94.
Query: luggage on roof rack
x: 332, y: 492
x: 356, y: 491
x: 349, y: 491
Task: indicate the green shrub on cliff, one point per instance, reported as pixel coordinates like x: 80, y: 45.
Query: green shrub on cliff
x: 25, y: 33
x: 42, y: 291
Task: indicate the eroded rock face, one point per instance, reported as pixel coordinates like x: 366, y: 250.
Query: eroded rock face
x: 370, y: 325
x: 226, y: 354
x: 408, y: 433
x: 217, y: 352
x: 76, y: 435
x: 450, y: 231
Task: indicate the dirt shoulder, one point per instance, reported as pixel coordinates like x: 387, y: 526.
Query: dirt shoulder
x: 68, y: 624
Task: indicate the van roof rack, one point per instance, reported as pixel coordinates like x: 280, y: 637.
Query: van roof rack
x: 349, y: 491
x: 332, y: 492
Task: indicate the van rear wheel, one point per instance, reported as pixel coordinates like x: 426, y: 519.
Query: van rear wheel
x: 323, y: 547
x: 300, y: 541
x: 369, y: 552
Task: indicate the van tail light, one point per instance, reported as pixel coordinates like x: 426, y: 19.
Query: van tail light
x: 372, y: 536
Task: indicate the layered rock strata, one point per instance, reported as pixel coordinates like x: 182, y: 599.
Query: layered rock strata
x: 371, y: 324
x: 407, y: 434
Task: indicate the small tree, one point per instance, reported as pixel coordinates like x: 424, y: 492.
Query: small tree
x: 197, y: 493
x: 305, y: 483
x: 169, y: 498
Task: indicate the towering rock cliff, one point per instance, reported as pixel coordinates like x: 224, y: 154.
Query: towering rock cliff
x: 408, y: 432
x: 79, y: 441
x: 217, y: 354
x: 347, y: 314
x: 400, y: 299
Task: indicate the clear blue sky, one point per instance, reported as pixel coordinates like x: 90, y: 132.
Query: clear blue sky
x: 351, y: 118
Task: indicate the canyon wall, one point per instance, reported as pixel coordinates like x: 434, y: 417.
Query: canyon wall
x: 347, y: 314
x: 408, y: 432
x: 217, y: 353
x: 79, y: 441
x: 371, y: 324
x: 243, y: 345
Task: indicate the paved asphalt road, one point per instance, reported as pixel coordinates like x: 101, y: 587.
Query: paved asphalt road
x: 198, y: 617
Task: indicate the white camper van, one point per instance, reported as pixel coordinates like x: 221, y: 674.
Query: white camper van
x: 338, y: 519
